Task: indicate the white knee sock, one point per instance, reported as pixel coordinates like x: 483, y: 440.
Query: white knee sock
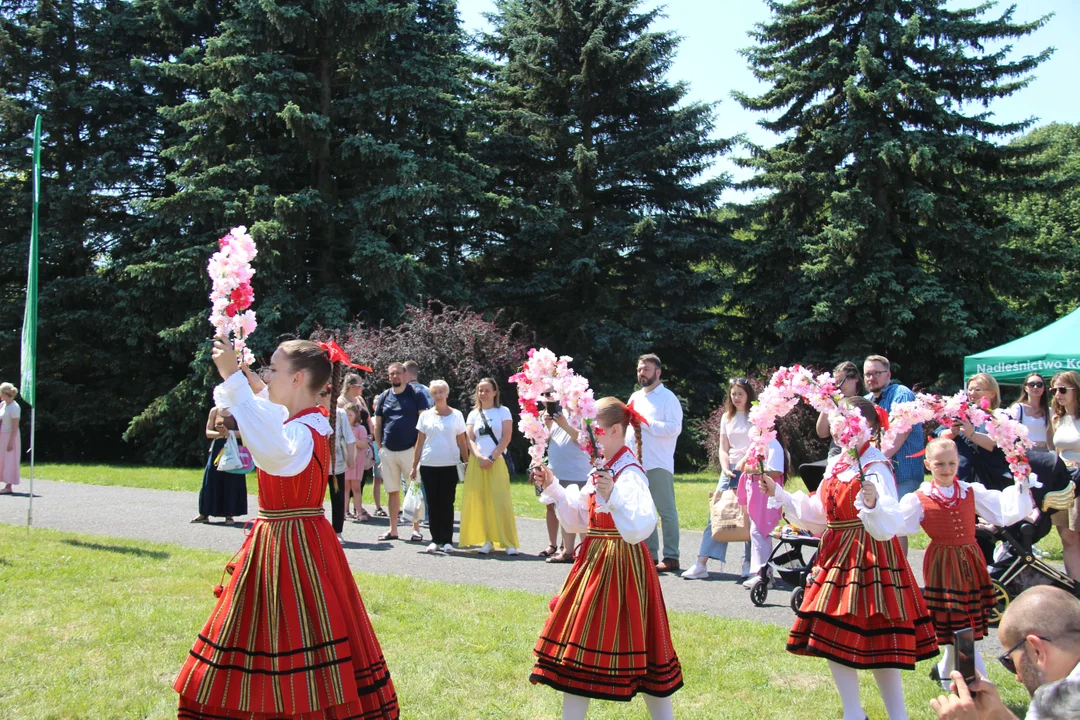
x: 659, y: 708
x: 945, y: 665
x: 892, y: 692
x: 980, y: 665
x: 847, y: 684
x: 574, y: 707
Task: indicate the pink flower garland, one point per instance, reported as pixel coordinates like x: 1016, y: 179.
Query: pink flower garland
x: 786, y: 387
x: 1009, y: 434
x: 231, y: 295
x: 544, y: 373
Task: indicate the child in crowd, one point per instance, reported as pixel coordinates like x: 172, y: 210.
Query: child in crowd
x: 763, y: 519
x: 289, y: 634
x: 607, y: 636
x: 356, y: 476
x: 862, y: 608
x: 956, y: 583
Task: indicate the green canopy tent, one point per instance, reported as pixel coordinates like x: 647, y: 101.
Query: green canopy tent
x: 1052, y: 349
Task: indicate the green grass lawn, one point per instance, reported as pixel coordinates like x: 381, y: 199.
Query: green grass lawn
x: 691, y: 492
x: 97, y: 628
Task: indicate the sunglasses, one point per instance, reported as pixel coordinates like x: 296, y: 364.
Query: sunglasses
x: 1035, y: 384
x: 1060, y: 390
x: 1006, y: 657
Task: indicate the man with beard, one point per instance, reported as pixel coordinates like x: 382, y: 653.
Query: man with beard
x: 663, y: 413
x: 1041, y: 630
x: 397, y: 411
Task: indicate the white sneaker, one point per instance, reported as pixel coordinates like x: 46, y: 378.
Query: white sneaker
x: 432, y: 547
x: 696, y: 572
x: 746, y: 568
x: 486, y: 548
x: 755, y: 580
x: 341, y: 540
x: 447, y: 548
x: 511, y: 551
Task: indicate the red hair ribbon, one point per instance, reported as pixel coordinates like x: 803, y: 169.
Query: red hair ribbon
x: 882, y: 416
x: 636, y: 418
x: 338, y: 355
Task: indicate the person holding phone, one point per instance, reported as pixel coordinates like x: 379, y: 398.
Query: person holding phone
x: 571, y: 465
x: 861, y: 608
x: 607, y: 636
x: 957, y: 586
x: 1041, y: 631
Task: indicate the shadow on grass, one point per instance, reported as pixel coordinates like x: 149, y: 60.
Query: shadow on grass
x: 120, y: 549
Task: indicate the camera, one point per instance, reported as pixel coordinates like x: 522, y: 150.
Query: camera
x: 552, y: 407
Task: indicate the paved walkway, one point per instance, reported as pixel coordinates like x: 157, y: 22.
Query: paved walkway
x: 162, y: 516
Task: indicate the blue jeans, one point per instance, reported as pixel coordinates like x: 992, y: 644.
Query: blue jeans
x: 718, y: 550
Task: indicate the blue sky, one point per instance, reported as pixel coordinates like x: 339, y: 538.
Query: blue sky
x: 714, y: 30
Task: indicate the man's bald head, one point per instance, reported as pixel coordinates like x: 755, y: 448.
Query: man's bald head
x: 1042, y: 610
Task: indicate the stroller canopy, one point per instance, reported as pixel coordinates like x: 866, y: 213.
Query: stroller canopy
x: 1052, y: 349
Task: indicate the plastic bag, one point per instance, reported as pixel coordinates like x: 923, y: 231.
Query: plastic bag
x: 234, y: 457
x: 413, y: 507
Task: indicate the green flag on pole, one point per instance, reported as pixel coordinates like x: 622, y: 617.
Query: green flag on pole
x: 29, y: 331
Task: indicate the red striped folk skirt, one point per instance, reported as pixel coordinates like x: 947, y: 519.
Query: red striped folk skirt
x: 862, y: 607
x: 289, y: 635
x: 607, y: 636
x: 958, y: 590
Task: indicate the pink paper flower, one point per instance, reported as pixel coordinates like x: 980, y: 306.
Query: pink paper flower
x: 231, y: 294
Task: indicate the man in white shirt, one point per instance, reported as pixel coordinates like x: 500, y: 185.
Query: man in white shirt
x: 1041, y: 631
x: 662, y: 410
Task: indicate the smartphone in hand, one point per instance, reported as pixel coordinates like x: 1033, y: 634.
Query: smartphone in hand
x: 964, y: 645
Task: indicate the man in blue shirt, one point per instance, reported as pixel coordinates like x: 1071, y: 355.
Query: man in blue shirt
x: 396, y: 413
x: 412, y: 374
x: 877, y: 374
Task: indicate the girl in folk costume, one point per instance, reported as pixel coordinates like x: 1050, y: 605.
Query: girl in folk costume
x: 289, y: 635
x: 607, y: 636
x: 862, y: 608
x: 957, y: 585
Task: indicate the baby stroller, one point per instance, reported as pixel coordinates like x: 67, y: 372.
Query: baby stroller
x: 788, y: 558
x: 1013, y: 565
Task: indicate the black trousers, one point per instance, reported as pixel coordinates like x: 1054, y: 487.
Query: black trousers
x: 440, y: 487
x: 337, y: 502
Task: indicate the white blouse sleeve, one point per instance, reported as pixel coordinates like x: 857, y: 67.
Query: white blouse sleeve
x: 276, y: 448
x: 1002, y: 507
x: 884, y: 521
x: 631, y: 506
x: 571, y: 506
x: 804, y: 510
x: 911, y: 513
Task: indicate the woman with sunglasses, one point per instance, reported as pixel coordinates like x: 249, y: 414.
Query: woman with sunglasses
x: 1066, y: 440
x: 1033, y: 410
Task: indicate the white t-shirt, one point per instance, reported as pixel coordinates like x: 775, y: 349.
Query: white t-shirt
x: 1037, y: 426
x: 343, y: 438
x: 10, y: 416
x: 566, y: 459
x: 496, y: 416
x: 737, y: 429
x: 1067, y: 439
x: 440, y: 437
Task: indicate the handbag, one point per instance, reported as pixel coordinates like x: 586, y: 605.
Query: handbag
x: 730, y: 521
x: 486, y: 429
x: 413, y: 507
x: 234, y: 457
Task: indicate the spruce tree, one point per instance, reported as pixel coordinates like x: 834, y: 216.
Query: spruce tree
x: 602, y: 243
x: 877, y: 230
x: 336, y: 132
x: 71, y: 61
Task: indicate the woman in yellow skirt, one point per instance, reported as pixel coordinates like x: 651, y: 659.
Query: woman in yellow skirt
x: 487, y: 510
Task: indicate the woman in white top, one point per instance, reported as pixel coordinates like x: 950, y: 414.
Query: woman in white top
x: 1033, y: 410
x: 344, y: 458
x: 572, y: 466
x: 487, y: 510
x: 1066, y: 439
x: 734, y: 441
x: 440, y: 446
x: 10, y: 440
